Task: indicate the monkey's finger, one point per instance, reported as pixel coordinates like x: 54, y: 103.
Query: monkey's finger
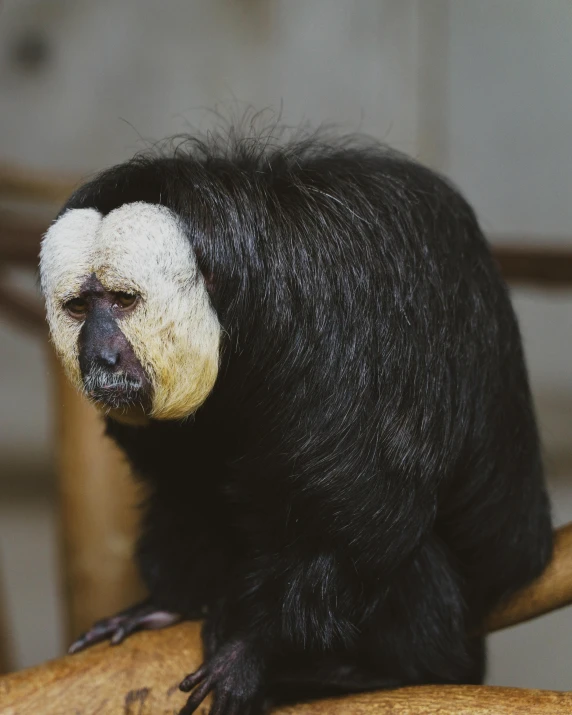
x: 197, y: 697
x: 188, y: 683
x: 123, y: 631
x: 146, y: 621
x: 98, y: 633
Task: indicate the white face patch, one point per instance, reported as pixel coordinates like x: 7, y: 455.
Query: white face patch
x: 138, y: 248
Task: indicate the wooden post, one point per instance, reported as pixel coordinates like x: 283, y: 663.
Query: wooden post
x: 98, y: 512
x: 4, y: 636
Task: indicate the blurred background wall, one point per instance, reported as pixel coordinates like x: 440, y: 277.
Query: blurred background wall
x: 479, y: 90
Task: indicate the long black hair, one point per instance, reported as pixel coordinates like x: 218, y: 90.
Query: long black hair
x: 371, y: 433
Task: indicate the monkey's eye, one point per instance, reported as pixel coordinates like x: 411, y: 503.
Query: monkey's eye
x: 125, y: 300
x: 76, y: 307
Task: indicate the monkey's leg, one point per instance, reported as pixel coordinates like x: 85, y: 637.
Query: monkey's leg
x: 319, y: 676
x: 418, y: 631
x: 235, y: 663
x: 142, y: 616
x: 181, y: 561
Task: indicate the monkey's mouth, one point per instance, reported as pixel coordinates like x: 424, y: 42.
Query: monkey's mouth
x: 116, y: 390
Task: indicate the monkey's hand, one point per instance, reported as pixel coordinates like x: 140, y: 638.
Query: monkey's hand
x: 234, y: 675
x: 142, y: 616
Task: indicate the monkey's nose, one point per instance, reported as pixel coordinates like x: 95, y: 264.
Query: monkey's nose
x: 109, y: 358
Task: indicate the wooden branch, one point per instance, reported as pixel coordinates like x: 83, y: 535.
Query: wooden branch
x: 141, y: 676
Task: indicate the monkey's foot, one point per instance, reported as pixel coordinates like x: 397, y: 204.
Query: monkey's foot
x: 234, y: 677
x: 143, y: 616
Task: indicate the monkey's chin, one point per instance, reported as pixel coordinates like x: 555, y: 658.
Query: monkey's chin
x: 129, y: 405
x: 129, y: 413
x: 132, y: 415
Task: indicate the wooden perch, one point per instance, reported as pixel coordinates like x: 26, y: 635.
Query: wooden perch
x: 141, y: 676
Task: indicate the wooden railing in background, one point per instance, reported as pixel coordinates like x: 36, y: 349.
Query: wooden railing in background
x: 526, y: 264
x: 35, y: 186
x: 521, y: 265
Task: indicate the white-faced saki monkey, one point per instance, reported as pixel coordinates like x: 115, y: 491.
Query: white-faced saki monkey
x: 305, y: 349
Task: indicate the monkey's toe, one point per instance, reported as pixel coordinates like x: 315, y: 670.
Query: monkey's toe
x: 233, y: 676
x: 143, y: 616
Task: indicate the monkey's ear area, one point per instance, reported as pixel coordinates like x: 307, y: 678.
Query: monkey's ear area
x: 206, y: 272
x: 210, y: 284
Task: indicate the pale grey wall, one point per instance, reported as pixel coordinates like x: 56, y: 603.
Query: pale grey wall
x: 510, y: 140
x: 155, y: 66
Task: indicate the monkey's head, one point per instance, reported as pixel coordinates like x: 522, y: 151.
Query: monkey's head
x: 129, y: 313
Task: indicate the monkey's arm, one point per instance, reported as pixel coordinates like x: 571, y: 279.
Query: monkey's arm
x: 181, y: 550
x: 298, y: 593
x: 180, y: 558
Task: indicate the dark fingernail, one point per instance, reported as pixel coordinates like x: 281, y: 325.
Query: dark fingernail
x: 187, y: 683
x: 75, y: 647
x: 118, y: 638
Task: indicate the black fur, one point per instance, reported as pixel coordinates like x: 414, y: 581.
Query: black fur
x: 364, y: 483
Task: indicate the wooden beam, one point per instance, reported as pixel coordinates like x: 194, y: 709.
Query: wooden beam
x: 546, y: 264
x: 98, y: 503
x: 20, y: 240
x: 543, y: 266
x: 22, y: 309
x: 26, y: 185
